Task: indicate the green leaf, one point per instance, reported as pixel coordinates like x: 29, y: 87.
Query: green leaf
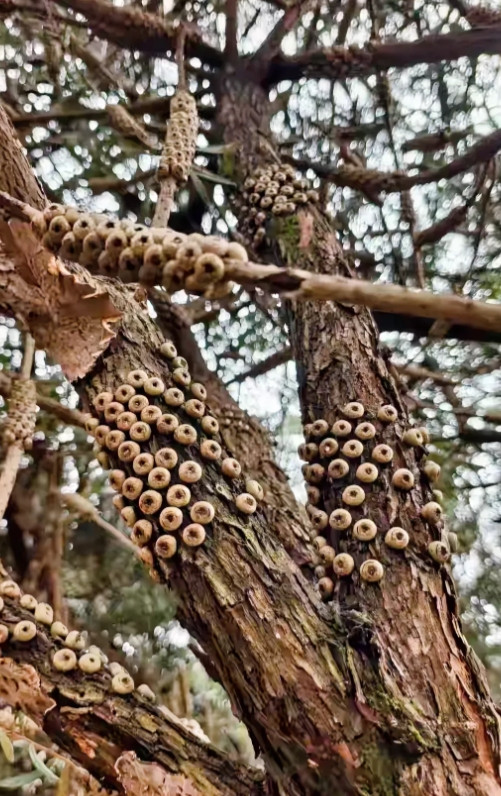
x: 11, y: 783
x: 205, y: 174
x: 7, y: 747
x: 47, y: 775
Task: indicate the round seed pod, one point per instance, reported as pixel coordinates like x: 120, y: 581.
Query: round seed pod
x: 310, y: 451
x: 431, y: 470
x: 338, y: 468
x: 353, y: 495
x: 185, y: 434
x: 231, y: 468
x: 320, y: 571
x: 382, y: 454
x: 166, y: 546
x: 209, y: 424
x: 150, y: 501
x: 387, y: 414
x: 9, y: 588
x: 159, y: 478
x: 167, y: 424
x: 142, y: 532
x: 188, y: 252
x: 138, y: 403
x: 146, y: 692
x: 140, y: 432
x: 432, y: 512
x: 424, y: 434
x: 413, y: 437
x: 193, y: 535
x: 44, y: 613
x: 181, y: 376
x: 246, y: 503
x: 4, y: 634
x: 439, y: 552
x: 326, y: 555
x: 154, y: 386
x: 210, y: 449
x: 340, y: 519
x: 106, y: 226
x: 353, y: 409
x: 114, y: 439
x: 319, y: 428
x: 101, y: 401
x: 202, y: 512
x: 151, y: 414
x: 24, y: 631
x: 122, y: 683
x: 319, y: 542
x: 91, y: 423
x: 367, y: 473
x: 106, y: 265
x: 58, y: 630
x: 438, y: 495
x: 124, y: 393
x: 118, y: 502
x: 198, y: 391
x: 237, y: 252
x: 364, y: 530
x: 146, y: 556
x: 341, y: 428
x: 27, y: 601
x: 102, y: 458
x: 352, y: 449
x: 371, y: 571
x: 313, y: 493
x: 174, y: 397
x: 143, y: 463
x: 64, y: 660
x: 83, y: 225
x: 137, y: 378
x: 326, y: 587
x: 171, y: 518
x: 168, y: 350
x: 166, y: 457
x: 58, y: 228
x: 178, y: 495
x: 128, y: 515
x: 125, y: 420
x: 365, y: 431
x: 397, y: 538
x: 132, y: 488
x: 314, y: 473
x: 328, y: 447
x: 194, y: 408
x: 70, y: 247
x: 128, y: 451
x: 343, y: 565
x: 116, y: 668
x: 89, y: 663
x: 75, y: 640
x: 115, y: 242
x: 403, y: 479
x: 209, y: 268
x: 319, y: 519
x: 254, y: 488
x: 190, y: 472
x: 92, y: 246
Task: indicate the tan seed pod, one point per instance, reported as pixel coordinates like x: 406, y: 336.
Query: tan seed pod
x: 122, y: 683
x: 209, y: 424
x: 150, y: 501
x: 310, y: 451
x: 236, y: 252
x: 58, y: 228
x: 319, y: 542
x: 343, y: 565
x: 202, y: 512
x: 352, y: 449
x: 326, y: 555
x: 9, y: 588
x: 143, y: 463
x: 320, y: 571
x: 431, y: 470
x: 167, y: 424
x: 91, y: 247
x: 171, y: 518
x: 319, y: 519
x: 402, y: 479
x: 141, y: 532
x: 413, y: 437
x: 246, y: 503
x: 166, y: 457
x: 102, y: 458
x: 101, y: 401
x: 438, y: 495
x: 118, y: 502
x: 174, y: 397
x: 353, y: 409
x: 58, y: 630
x: 132, y: 488
x: 24, y: 630
x: 125, y: 420
x: 353, y: 495
x: 44, y: 613
x: 140, y: 431
x: 83, y: 226
x: 146, y: 556
x: 75, y: 640
x: 397, y: 538
x: 319, y: 428
x: 154, y: 386
x: 114, y: 439
x: 64, y: 660
x: 364, y: 530
x: 138, y: 403
x: 338, y: 468
x: 180, y: 362
x: 425, y: 434
x: 314, y: 495
x: 190, y: 472
x: 159, y: 478
x: 178, y: 495
x: 254, y: 488
x: 432, y: 512
x: 371, y: 571
x: 365, y: 431
x: 382, y: 454
x: 128, y: 515
x: 168, y: 350
x: 128, y: 451
x: 146, y: 693
x: 101, y: 433
x: 124, y: 393
x: 439, y: 551
x: 91, y: 423
x: 387, y: 414
x: 89, y: 663
x: 209, y: 267
x: 4, y: 634
x: 231, y: 467
x: 314, y: 473
x: 341, y: 428
x: 166, y: 546
x: 27, y: 601
x: 367, y: 473
x: 151, y: 414
x: 198, y: 391
x: 185, y: 434
x: 193, y: 535
x: 116, y: 668
x: 340, y: 519
x: 137, y: 378
x: 181, y: 376
x: 194, y: 408
x: 326, y: 587
x: 210, y: 449
x: 327, y: 448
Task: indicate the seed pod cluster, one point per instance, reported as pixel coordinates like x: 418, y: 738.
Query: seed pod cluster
x: 19, y: 425
x: 160, y: 487
x: 180, y: 138
x: 350, y: 458
x: 136, y: 253
x: 272, y: 191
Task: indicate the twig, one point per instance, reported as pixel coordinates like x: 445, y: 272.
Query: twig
x: 231, y: 33
x: 84, y: 509
x: 260, y: 368
x: 421, y: 374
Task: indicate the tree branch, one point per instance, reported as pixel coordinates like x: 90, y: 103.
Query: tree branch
x: 273, y: 42
x: 270, y: 363
x: 231, y: 32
